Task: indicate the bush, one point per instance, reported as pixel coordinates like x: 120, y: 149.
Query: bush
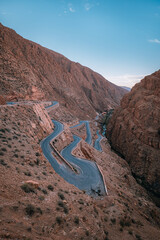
x: 113, y: 220
x: 27, y: 173
x: 80, y: 201
x: 44, y: 191
x: 61, y: 196
x: 50, y: 187
x: 37, y: 161
x: 30, y: 210
x: 3, y: 162
x: 60, y: 203
x: 41, y: 198
x: 59, y: 220
x: 138, y: 237
x: 39, y: 210
x: 66, y: 210
x: 87, y: 233
x: 4, y: 149
x: 38, y: 154
x: 130, y: 232
x: 76, y: 220
x: 27, y: 188
x: 2, y: 130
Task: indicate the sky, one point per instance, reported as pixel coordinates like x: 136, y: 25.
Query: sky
x: 119, y: 39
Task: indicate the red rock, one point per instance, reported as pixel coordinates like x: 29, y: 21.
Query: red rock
x: 32, y: 72
x: 134, y: 130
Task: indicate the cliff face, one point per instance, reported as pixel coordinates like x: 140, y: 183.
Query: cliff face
x: 30, y: 71
x: 134, y: 130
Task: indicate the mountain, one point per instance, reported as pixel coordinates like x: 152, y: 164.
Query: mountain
x: 134, y: 131
x: 30, y: 71
x: 126, y: 88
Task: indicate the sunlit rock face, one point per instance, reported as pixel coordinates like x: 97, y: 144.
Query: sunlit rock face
x: 30, y: 71
x: 134, y: 130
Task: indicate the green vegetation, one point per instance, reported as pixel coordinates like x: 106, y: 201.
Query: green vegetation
x: 61, y: 196
x: 50, y: 187
x: 2, y: 162
x: 30, y: 210
x: 76, y: 220
x: 59, y: 220
x: 27, y: 188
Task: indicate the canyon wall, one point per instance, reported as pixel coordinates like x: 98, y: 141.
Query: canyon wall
x: 134, y: 131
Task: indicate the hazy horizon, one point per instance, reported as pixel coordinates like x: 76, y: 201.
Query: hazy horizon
x: 118, y: 39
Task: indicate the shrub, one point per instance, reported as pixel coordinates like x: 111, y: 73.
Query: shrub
x: 44, y: 191
x: 50, y: 187
x: 27, y: 188
x: 27, y: 173
x: 80, y: 201
x: 76, y: 220
x: 2, y: 130
x: 59, y: 220
x: 125, y: 222
x: 4, y: 149
x: 39, y: 210
x: 29, y: 229
x: 87, y: 233
x: 138, y: 237
x: 61, y: 196
x: 2, y: 162
x: 15, y: 208
x: 31, y: 164
x: 41, y: 198
x: 38, y: 154
x: 60, y: 203
x: 65, y: 209
x: 37, y: 161
x: 113, y: 220
x: 30, y: 210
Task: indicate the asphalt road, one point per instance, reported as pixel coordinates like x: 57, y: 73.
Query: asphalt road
x: 97, y: 142
x: 88, y: 131
x: 53, y: 104
x: 88, y: 178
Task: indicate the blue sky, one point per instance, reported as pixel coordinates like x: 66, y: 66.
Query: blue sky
x: 120, y: 39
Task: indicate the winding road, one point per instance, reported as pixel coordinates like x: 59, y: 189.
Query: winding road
x: 88, y: 176
x: 97, y: 142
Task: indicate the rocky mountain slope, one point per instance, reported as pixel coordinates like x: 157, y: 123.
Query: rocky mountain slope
x: 134, y: 131
x: 37, y: 204
x: 30, y: 71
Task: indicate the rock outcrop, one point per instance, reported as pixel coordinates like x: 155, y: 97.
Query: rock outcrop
x: 31, y: 72
x: 134, y: 131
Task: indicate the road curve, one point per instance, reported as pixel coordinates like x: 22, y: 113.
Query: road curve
x: 89, y: 178
x: 97, y: 142
x: 54, y: 103
x: 88, y: 139
x: 88, y: 131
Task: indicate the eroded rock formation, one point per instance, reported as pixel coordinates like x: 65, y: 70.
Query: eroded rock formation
x: 134, y: 130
